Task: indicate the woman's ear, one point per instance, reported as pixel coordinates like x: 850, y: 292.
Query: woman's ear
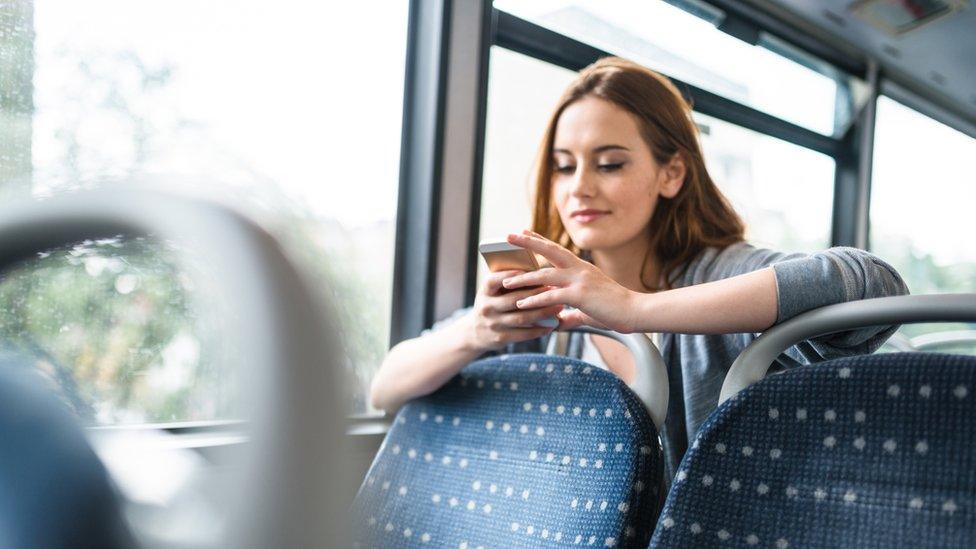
x: 673, y: 176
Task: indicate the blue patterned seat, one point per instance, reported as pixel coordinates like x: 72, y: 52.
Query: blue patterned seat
x: 866, y: 451
x: 518, y: 451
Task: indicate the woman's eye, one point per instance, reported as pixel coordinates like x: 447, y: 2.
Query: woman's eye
x: 610, y: 167
x: 565, y: 169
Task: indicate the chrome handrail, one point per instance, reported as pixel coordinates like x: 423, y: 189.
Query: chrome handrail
x: 753, y: 363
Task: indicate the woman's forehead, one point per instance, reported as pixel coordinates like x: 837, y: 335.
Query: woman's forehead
x: 591, y: 123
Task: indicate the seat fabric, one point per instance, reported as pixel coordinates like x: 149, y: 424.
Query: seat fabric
x: 516, y: 451
x: 866, y: 451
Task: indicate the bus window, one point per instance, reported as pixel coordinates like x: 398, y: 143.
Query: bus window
x: 921, y: 204
x: 244, y: 101
x: 691, y: 49
x: 782, y: 191
x: 119, y: 331
x: 521, y: 95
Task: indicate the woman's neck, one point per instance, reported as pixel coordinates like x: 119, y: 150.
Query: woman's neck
x: 624, y: 264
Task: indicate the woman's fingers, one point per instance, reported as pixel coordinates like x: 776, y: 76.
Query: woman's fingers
x: 555, y: 296
x: 541, y: 277
x: 524, y: 319
x: 493, y: 282
x: 556, y: 254
x: 572, y: 318
x: 506, y: 302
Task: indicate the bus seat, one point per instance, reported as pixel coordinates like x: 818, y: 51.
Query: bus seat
x: 876, y: 450
x: 56, y: 493
x: 517, y: 450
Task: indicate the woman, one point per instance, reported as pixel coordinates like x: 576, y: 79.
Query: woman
x: 640, y: 239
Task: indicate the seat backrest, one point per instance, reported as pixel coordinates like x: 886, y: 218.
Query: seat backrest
x: 517, y: 450
x: 875, y: 450
x: 56, y: 493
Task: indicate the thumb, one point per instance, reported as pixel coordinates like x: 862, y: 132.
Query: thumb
x: 574, y: 317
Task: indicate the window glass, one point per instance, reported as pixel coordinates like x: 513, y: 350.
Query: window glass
x: 119, y: 332
x: 260, y: 104
x: 922, y: 196
x: 784, y: 192
x: 522, y: 92
x: 681, y: 45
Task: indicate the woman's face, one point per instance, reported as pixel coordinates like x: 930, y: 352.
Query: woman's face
x: 605, y: 181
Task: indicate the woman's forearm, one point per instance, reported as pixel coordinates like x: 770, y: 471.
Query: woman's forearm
x: 419, y: 366
x: 744, y: 303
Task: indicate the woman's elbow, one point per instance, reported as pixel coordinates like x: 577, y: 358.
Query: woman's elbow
x: 877, y: 277
x: 379, y: 394
x: 888, y: 282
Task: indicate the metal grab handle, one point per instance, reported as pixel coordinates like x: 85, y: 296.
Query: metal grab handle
x: 287, y: 490
x: 650, y: 376
x: 939, y: 340
x: 901, y: 343
x: 754, y: 362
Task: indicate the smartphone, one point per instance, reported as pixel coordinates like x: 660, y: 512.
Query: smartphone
x: 502, y: 256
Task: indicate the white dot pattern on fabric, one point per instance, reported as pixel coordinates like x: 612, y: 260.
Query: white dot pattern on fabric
x: 524, y: 434
x: 896, y: 437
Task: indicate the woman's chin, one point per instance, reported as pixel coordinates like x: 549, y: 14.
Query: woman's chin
x: 587, y: 240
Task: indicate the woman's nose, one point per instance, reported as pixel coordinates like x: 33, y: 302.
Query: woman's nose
x: 583, y: 183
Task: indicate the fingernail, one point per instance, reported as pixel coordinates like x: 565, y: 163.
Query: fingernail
x: 518, y: 304
x: 505, y: 283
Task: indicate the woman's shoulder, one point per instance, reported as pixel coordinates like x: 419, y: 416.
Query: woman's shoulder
x: 715, y: 263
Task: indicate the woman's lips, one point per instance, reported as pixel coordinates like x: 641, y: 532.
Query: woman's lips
x: 588, y: 216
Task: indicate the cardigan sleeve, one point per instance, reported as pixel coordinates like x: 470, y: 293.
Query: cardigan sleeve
x: 809, y: 281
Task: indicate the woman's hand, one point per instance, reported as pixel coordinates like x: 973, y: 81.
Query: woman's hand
x: 600, y: 301
x: 496, y: 321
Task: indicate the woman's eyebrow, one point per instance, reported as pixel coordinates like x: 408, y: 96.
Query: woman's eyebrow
x: 597, y: 150
x: 605, y: 148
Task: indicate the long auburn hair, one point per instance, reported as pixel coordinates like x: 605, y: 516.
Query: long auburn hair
x: 697, y: 217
